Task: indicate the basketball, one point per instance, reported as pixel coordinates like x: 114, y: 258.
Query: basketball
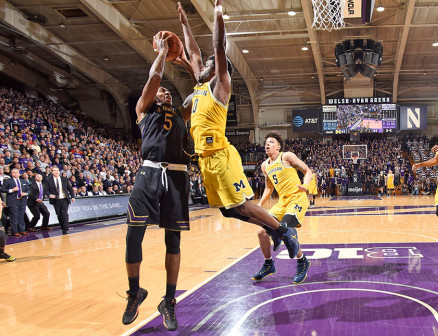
x: 175, y: 45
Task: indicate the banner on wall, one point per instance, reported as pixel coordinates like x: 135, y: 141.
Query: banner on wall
x: 88, y: 208
x: 413, y: 117
x: 237, y: 132
x: 305, y: 121
x: 232, y: 112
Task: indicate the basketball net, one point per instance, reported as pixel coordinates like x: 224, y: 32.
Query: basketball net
x: 355, y: 158
x: 328, y: 14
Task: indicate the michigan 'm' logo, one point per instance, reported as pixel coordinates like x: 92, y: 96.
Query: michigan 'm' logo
x: 239, y: 185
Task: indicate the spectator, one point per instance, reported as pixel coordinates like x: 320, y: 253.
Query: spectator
x: 17, y: 191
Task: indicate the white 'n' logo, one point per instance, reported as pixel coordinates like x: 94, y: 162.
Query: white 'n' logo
x: 413, y: 117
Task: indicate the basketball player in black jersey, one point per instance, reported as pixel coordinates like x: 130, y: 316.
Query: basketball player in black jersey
x: 161, y: 191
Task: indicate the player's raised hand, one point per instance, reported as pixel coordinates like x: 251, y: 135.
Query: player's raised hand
x: 161, y: 42
x: 416, y: 166
x: 182, y: 14
x: 435, y: 148
x: 218, y: 2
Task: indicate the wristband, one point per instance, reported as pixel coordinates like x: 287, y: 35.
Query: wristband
x: 218, y: 8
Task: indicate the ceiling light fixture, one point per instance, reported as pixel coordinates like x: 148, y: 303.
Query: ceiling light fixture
x: 226, y: 16
x: 291, y: 12
x: 435, y: 43
x: 105, y: 58
x: 62, y: 25
x: 380, y: 8
x: 305, y: 47
x: 245, y: 51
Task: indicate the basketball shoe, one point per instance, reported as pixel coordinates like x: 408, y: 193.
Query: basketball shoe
x: 167, y: 309
x: 290, y: 239
x: 267, y: 269
x: 302, y: 268
x: 134, y: 302
x: 7, y: 257
x: 276, y: 239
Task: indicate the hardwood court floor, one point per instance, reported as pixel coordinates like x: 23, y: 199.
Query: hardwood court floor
x: 72, y: 285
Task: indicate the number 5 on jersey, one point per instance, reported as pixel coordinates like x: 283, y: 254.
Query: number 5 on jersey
x: 168, y: 121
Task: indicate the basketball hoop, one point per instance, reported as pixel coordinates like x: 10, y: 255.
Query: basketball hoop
x: 328, y: 14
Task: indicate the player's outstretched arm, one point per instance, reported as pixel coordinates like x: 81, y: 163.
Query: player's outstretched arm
x: 222, y: 87
x: 155, y: 74
x: 269, y: 187
x: 428, y: 163
x: 190, y: 42
x: 295, y: 162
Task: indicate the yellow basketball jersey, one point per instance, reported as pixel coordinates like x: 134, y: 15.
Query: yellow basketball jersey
x: 209, y: 119
x: 312, y: 181
x: 390, y: 181
x: 285, y: 179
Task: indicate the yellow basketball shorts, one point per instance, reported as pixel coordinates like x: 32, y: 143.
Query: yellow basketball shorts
x: 295, y: 205
x: 436, y: 197
x: 313, y: 190
x: 224, y: 181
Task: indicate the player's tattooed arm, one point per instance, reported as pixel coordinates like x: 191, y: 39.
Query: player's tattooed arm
x: 295, y: 162
x: 269, y: 187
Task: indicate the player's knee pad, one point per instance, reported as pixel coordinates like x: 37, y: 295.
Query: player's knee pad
x: 233, y: 213
x: 134, y: 238
x: 173, y: 241
x: 290, y: 221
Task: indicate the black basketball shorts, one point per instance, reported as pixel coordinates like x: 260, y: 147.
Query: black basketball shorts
x: 151, y: 204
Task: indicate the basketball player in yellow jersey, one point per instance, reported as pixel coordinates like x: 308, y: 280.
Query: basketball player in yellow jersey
x: 390, y: 183
x: 220, y: 164
x: 280, y: 171
x: 313, y: 189
x: 430, y: 163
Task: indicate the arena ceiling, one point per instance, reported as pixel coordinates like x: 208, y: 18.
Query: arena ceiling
x: 82, y: 45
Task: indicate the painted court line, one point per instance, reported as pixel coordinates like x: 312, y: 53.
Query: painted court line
x: 235, y: 330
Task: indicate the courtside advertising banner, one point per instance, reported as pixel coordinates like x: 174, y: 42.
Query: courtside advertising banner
x: 305, y: 121
x: 413, y: 117
x: 88, y: 208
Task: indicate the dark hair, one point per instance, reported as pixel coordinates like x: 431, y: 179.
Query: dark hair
x: 230, y: 66
x: 276, y: 135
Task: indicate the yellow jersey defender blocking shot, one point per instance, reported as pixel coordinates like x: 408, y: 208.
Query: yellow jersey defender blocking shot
x: 221, y: 167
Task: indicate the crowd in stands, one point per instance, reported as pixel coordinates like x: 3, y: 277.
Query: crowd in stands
x: 37, y: 134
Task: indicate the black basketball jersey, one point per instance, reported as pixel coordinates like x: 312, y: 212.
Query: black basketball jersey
x: 164, y: 135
